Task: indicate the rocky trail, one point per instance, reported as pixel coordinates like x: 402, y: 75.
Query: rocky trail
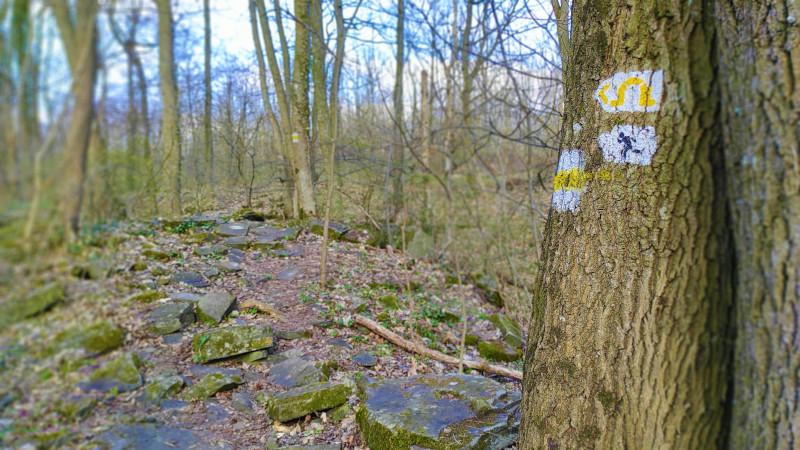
x: 212, y: 332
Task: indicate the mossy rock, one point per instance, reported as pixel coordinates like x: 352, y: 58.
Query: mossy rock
x: 147, y: 296
x: 197, y: 238
x: 305, y: 400
x: 335, y: 230
x: 94, y: 339
x: 39, y: 301
x: 444, y: 412
x: 163, y: 387
x: 233, y: 229
x: 488, y: 289
x: 76, y: 407
x: 156, y: 255
x: 220, y: 343
x: 499, y: 351
x: 509, y: 328
x: 170, y: 317
x: 238, y: 242
x: 389, y: 301
x: 210, y: 384
x: 121, y: 373
x: 138, y: 266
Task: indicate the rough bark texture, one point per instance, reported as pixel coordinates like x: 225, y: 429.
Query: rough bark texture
x: 170, y: 128
x: 626, y: 348
x: 759, y: 71
x: 301, y: 164
x: 208, y: 143
x: 78, y: 33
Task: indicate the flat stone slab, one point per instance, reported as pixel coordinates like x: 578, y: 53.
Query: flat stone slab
x: 294, y: 372
x: 33, y: 304
x: 213, y: 306
x: 335, y: 230
x: 232, y: 229
x: 305, y: 400
x: 151, y: 437
x: 191, y: 278
x: 288, y: 274
x: 121, y: 373
x: 210, y: 384
x: 365, y: 359
x: 170, y: 317
x: 220, y: 343
x: 93, y: 339
x: 453, y: 411
x: 269, y: 237
x: 162, y: 387
x: 236, y: 242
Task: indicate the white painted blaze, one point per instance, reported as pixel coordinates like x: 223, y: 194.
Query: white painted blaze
x: 637, y: 91
x: 629, y: 144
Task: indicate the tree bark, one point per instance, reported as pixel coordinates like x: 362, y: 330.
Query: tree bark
x: 170, y: 126
x: 78, y: 32
x: 303, y: 183
x: 758, y: 72
x: 398, y: 149
x: 627, y: 338
x: 208, y: 143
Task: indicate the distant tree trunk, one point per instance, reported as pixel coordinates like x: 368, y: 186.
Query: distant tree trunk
x: 759, y: 51
x: 427, y: 140
x: 78, y: 31
x: 320, y: 82
x: 304, y: 185
x: 207, y: 139
x: 170, y: 126
x: 627, y: 342
x: 398, y: 148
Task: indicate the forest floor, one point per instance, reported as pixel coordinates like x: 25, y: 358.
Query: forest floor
x: 124, y: 345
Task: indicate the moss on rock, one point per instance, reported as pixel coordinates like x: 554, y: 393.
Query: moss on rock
x: 305, y: 400
x: 210, y: 384
x: 220, y: 343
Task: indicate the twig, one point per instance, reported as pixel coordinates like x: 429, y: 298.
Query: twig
x: 405, y: 344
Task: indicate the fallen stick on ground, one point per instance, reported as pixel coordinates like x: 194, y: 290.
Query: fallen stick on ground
x: 405, y: 344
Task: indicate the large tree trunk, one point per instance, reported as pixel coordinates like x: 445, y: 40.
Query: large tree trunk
x: 627, y: 340
x: 759, y: 72
x: 78, y: 32
x: 301, y: 164
x: 170, y: 127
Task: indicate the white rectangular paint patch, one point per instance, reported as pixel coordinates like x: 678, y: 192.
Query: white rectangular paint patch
x: 569, y: 181
x: 637, y: 91
x: 629, y: 144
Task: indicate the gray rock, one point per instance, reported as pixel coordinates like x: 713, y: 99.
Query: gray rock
x: 226, y: 342
x: 191, y: 278
x: 162, y: 387
x: 170, y: 317
x: 241, y: 401
x: 236, y: 255
x: 294, y: 372
x: 33, y: 304
x: 237, y: 242
x: 453, y: 411
x: 509, y: 328
x: 185, y: 296
x: 304, y: 400
x: 210, y: 384
x: 173, y: 339
x: 232, y: 229
x: 295, y: 251
x: 121, y: 373
x: 211, y: 250
x: 213, y: 306
x: 288, y: 274
x: 149, y: 436
x: 335, y: 230
x: 365, y: 359
x: 229, y: 266
x: 267, y: 237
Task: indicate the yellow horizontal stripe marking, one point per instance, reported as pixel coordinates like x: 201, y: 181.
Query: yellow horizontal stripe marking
x: 575, y: 179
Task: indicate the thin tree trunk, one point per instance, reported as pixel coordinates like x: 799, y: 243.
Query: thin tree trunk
x: 628, y: 333
x: 208, y: 143
x: 759, y: 71
x: 170, y: 125
x: 398, y: 149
